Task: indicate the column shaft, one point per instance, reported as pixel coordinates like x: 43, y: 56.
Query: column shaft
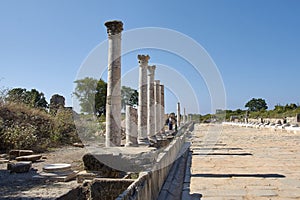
x: 142, y: 107
x: 157, y: 106
x: 150, y: 102
x: 162, y: 103
x: 131, y: 126
x: 178, y: 114
x: 113, y: 101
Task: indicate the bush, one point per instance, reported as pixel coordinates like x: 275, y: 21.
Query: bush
x: 24, y: 127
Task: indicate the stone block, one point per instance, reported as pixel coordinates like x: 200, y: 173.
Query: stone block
x: 59, y: 176
x: 16, y: 153
x: 2, y: 161
x: 57, y: 167
x: 108, y: 188
x: 32, y: 158
x: 86, y: 175
x: 19, y: 167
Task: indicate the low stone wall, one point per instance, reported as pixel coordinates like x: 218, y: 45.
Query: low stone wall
x: 272, y: 127
x: 150, y: 183
x: 99, y: 188
x: 290, y: 120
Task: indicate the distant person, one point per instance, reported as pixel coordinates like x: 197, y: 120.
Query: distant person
x: 170, y: 123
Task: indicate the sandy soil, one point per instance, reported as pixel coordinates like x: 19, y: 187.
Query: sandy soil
x: 25, y: 186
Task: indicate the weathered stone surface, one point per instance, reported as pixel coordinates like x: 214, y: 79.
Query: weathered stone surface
x: 91, y: 163
x: 61, y: 176
x: 16, y: 153
x: 113, y: 101
x: 162, y: 107
x: 178, y: 115
x: 131, y: 126
x: 77, y: 144
x: 86, y: 175
x: 150, y: 102
x: 32, y: 158
x: 157, y: 104
x: 224, y: 172
x: 142, y: 105
x: 19, y: 167
x: 57, y: 167
x: 108, y: 188
x: 81, y: 192
x: 2, y: 161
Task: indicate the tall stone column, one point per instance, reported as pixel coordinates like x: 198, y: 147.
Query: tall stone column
x: 142, y: 107
x: 131, y: 127
x: 157, y: 106
x: 150, y: 102
x: 162, y: 111
x: 184, y: 116
x: 113, y: 101
x: 178, y: 114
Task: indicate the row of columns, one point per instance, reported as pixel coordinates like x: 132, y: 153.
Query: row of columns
x: 147, y: 122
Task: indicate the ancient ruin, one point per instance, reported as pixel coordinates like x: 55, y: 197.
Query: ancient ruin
x: 113, y: 102
x: 142, y: 107
x: 150, y: 102
x: 131, y: 126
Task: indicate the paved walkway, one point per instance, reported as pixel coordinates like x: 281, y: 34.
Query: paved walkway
x: 245, y: 163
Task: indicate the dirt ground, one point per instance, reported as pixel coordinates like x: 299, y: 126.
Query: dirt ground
x: 26, y: 186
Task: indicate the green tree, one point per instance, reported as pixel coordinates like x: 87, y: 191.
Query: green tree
x: 256, y: 104
x: 129, y: 97
x: 92, y: 93
x: 33, y: 98
x: 85, y: 91
x: 100, y: 101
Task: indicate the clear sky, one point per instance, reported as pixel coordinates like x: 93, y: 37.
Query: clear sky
x: 255, y: 44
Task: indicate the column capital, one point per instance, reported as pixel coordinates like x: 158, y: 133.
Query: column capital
x: 114, y: 27
x: 151, y: 69
x: 157, y: 82
x: 143, y: 58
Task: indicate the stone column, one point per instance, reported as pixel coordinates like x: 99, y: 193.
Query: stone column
x: 131, y: 127
x: 178, y: 114
x: 157, y: 106
x: 184, y: 117
x: 150, y: 102
x: 113, y: 101
x: 142, y: 107
x: 162, y: 111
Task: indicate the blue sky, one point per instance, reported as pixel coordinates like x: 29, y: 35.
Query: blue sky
x: 255, y: 44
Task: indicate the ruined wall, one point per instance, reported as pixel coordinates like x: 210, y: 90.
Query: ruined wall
x: 149, y: 184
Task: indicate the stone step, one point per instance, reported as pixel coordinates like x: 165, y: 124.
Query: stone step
x: 19, y: 167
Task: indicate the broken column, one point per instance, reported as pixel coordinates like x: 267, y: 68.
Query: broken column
x: 178, y: 114
x: 162, y: 111
x: 113, y: 101
x: 157, y: 94
x: 142, y: 107
x: 131, y: 127
x: 150, y: 102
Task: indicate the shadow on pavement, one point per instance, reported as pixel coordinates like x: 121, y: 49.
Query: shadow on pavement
x: 238, y: 175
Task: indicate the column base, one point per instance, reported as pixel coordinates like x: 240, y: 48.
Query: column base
x: 143, y: 142
x: 130, y: 144
x: 153, y: 139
